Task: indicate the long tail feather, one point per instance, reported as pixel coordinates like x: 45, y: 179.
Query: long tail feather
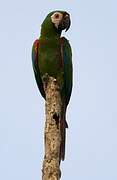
x: 63, y: 126
x: 63, y: 140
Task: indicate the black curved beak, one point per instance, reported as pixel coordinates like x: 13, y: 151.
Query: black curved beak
x: 65, y: 23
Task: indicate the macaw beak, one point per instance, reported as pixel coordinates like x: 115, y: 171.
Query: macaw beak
x: 65, y: 23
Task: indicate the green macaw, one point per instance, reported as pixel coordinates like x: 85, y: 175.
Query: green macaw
x: 51, y: 54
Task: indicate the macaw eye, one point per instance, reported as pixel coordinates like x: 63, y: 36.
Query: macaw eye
x: 66, y: 15
x: 56, y: 16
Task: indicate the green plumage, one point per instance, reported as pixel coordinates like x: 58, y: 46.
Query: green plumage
x: 51, y: 54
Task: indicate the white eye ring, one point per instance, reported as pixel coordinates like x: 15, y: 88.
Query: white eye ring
x: 56, y: 18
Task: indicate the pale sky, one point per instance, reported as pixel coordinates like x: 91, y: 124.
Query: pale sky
x: 91, y: 150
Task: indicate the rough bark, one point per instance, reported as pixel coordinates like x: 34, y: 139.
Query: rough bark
x: 52, y: 134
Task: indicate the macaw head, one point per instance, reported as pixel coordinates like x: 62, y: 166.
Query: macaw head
x: 56, y: 21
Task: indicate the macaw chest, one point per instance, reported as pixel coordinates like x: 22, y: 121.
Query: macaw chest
x: 50, y: 59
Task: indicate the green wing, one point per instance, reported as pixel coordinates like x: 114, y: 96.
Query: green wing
x: 66, y: 91
x: 67, y: 62
x: 35, y: 62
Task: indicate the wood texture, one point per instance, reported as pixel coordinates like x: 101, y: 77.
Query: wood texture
x: 52, y: 134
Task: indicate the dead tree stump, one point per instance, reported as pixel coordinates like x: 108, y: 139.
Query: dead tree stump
x: 52, y: 134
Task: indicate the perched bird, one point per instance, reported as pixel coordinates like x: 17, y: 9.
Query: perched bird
x: 51, y: 54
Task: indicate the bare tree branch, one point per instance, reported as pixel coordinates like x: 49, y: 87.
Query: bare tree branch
x: 52, y: 134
